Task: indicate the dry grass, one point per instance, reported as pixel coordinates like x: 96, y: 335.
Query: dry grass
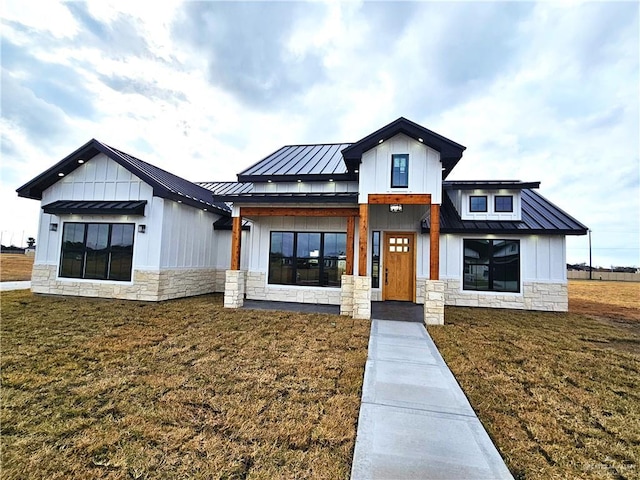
x: 606, y: 299
x: 182, y: 389
x: 558, y: 393
x: 15, y: 267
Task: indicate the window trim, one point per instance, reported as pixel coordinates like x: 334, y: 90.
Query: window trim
x: 495, y: 203
x: 83, y: 251
x: 490, y: 269
x: 395, y: 156
x: 294, y: 257
x: 486, y: 203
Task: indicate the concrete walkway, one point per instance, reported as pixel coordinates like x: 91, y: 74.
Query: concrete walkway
x: 6, y: 286
x: 415, y: 421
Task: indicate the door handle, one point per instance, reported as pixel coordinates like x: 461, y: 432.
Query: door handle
x: 386, y: 276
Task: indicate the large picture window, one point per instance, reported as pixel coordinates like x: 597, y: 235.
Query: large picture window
x: 492, y: 265
x: 101, y: 251
x: 400, y: 170
x: 304, y: 258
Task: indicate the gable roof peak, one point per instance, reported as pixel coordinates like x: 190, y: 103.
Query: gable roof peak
x: 450, y: 151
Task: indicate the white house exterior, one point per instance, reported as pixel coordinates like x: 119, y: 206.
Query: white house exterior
x: 342, y: 224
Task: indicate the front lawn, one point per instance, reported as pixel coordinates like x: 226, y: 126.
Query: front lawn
x: 97, y: 388
x: 558, y: 393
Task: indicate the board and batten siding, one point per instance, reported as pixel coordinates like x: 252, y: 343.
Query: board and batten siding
x: 100, y: 178
x: 188, y: 237
x: 542, y: 258
x: 425, y: 169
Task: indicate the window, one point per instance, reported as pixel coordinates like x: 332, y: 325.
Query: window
x: 400, y: 170
x: 302, y: 258
x: 478, y: 203
x: 100, y: 251
x: 492, y: 265
x: 375, y: 260
x: 503, y: 203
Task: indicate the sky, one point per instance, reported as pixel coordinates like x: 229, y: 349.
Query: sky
x: 545, y: 91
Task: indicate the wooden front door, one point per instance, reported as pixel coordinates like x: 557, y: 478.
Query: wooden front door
x: 399, y: 259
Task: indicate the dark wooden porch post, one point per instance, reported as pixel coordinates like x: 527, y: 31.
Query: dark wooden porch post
x: 363, y: 234
x: 434, y: 241
x: 236, y: 235
x: 351, y: 229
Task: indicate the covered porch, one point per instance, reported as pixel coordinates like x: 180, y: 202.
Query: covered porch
x: 356, y: 281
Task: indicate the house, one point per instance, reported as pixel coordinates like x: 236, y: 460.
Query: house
x: 343, y: 224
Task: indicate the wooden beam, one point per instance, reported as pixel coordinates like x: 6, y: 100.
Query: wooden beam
x: 351, y: 230
x: 434, y: 242
x: 401, y: 198
x: 236, y: 235
x: 363, y: 234
x: 297, y: 212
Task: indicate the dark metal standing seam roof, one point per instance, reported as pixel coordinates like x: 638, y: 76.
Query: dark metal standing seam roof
x: 226, y: 188
x: 539, y: 216
x: 134, y: 207
x: 289, y: 163
x: 164, y: 184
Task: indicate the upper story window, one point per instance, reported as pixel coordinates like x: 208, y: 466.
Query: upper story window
x: 399, y: 170
x: 503, y: 203
x: 478, y: 203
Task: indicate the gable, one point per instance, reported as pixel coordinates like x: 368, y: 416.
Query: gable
x: 450, y: 151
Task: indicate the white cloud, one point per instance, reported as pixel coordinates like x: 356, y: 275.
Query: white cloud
x: 544, y: 91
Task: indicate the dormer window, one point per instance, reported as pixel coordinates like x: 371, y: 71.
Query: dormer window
x: 503, y: 203
x: 400, y: 170
x: 478, y: 203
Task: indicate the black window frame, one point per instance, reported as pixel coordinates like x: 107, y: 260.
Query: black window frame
x: 394, y: 181
x: 495, y: 270
x: 84, y: 253
x: 324, y: 262
x: 486, y: 203
x: 375, y: 259
x: 495, y: 203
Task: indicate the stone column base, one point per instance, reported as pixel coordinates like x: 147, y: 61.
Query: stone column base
x: 434, y: 302
x: 362, y: 298
x: 234, y: 285
x: 346, y: 295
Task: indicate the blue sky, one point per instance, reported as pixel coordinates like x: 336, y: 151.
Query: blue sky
x: 543, y: 91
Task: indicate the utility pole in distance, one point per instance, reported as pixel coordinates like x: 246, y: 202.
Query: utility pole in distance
x: 590, y: 266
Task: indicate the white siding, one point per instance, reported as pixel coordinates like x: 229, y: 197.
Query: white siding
x: 222, y: 241
x: 542, y: 258
x: 425, y: 169
x: 100, y: 178
x: 188, y: 239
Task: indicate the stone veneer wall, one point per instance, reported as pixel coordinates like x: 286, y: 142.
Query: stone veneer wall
x: 234, y: 288
x: 147, y: 285
x: 258, y: 289
x: 346, y: 295
x: 434, y: 305
x: 553, y: 297
x: 362, y: 297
